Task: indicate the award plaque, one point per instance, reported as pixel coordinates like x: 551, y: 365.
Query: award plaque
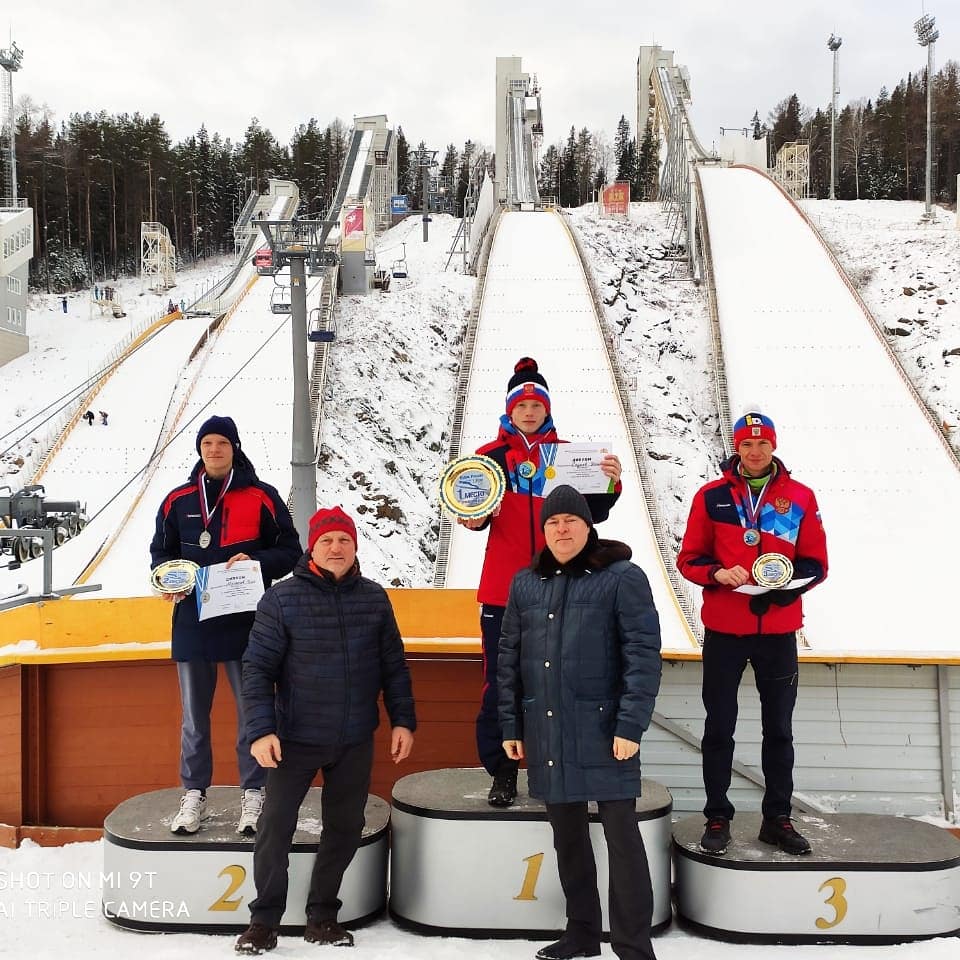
x: 772, y: 570
x: 174, y: 576
x: 472, y: 487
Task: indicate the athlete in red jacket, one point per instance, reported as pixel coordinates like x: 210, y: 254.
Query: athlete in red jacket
x: 755, y: 508
x: 515, y: 536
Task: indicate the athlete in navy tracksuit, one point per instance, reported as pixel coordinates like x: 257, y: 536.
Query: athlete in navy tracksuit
x: 222, y: 513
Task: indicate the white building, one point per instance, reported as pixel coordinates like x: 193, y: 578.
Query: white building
x: 16, y: 249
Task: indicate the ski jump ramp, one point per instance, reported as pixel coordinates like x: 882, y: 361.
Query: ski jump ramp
x: 798, y: 342
x: 536, y: 302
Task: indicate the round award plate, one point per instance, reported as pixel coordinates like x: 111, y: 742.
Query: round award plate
x: 772, y: 570
x: 472, y: 487
x: 174, y: 576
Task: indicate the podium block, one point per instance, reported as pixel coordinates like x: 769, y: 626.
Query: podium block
x: 461, y: 867
x: 159, y: 881
x: 869, y: 879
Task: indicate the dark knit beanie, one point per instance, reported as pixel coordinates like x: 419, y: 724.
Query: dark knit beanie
x: 565, y: 499
x: 327, y: 521
x: 527, y: 383
x: 224, y: 426
x: 754, y: 426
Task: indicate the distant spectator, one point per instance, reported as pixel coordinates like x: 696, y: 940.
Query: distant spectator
x: 96, y: 292
x: 170, y: 306
x: 88, y: 416
x: 183, y: 305
x: 63, y: 303
x: 103, y: 416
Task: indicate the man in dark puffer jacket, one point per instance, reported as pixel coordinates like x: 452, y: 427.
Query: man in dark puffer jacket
x: 323, y: 646
x: 579, y: 671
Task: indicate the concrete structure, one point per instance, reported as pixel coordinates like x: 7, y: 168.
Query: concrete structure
x: 736, y: 147
x: 381, y: 162
x: 519, y: 129
x: 16, y: 249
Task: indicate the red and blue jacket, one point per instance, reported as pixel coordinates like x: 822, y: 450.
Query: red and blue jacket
x: 515, y: 532
x: 789, y: 523
x: 252, y: 519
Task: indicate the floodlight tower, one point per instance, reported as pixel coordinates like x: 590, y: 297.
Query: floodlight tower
x: 10, y: 60
x: 834, y: 44
x: 927, y: 35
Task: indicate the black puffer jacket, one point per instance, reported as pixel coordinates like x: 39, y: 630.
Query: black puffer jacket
x: 320, y: 652
x: 579, y: 664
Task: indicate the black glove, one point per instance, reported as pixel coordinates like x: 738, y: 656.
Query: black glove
x: 760, y: 603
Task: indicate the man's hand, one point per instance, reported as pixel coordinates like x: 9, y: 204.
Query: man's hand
x: 610, y: 465
x: 624, y: 749
x: 513, y: 749
x: 266, y: 750
x: 173, y: 597
x: 401, y: 743
x: 235, y: 558
x: 732, y: 576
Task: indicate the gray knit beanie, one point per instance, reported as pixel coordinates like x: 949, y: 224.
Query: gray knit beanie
x: 565, y: 499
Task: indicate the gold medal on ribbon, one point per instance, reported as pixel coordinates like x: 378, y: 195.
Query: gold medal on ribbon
x: 772, y: 570
x: 472, y: 487
x: 174, y: 576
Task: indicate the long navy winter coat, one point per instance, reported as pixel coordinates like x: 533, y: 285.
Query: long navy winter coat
x: 320, y: 652
x: 252, y: 519
x: 579, y: 664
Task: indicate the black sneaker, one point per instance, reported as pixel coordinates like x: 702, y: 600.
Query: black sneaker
x: 566, y: 948
x: 328, y: 933
x: 503, y: 790
x: 716, y: 836
x: 781, y: 832
x: 256, y: 939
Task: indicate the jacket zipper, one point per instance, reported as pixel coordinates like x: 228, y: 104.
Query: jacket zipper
x: 346, y: 664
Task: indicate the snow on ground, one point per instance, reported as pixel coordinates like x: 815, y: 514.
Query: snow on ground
x: 661, y: 330
x: 392, y: 370
x: 391, y: 384
x: 907, y: 272
x: 66, y: 349
x: 50, y: 908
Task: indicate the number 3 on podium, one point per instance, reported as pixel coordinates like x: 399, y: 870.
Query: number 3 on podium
x: 837, y: 887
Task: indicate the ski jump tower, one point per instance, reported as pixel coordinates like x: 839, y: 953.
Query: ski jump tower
x: 158, y: 257
x: 16, y: 223
x: 519, y: 132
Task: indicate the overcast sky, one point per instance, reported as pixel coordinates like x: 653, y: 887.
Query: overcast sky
x: 430, y: 66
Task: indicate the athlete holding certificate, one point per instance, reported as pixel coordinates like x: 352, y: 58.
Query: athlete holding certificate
x: 223, y: 514
x: 523, y: 450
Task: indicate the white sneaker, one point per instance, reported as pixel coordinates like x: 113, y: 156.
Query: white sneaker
x: 251, y: 803
x: 193, y: 809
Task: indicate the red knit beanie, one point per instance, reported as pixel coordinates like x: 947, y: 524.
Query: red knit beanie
x: 327, y: 521
x: 527, y: 383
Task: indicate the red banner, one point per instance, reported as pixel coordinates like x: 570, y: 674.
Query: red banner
x: 615, y: 199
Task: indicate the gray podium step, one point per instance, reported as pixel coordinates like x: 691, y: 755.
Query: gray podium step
x: 461, y: 867
x: 156, y: 880
x: 868, y: 879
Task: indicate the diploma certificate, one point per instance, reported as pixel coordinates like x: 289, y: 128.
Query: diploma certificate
x: 576, y: 464
x: 220, y: 591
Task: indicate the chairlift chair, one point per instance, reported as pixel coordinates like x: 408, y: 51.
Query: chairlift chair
x: 280, y: 300
x: 399, y: 268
